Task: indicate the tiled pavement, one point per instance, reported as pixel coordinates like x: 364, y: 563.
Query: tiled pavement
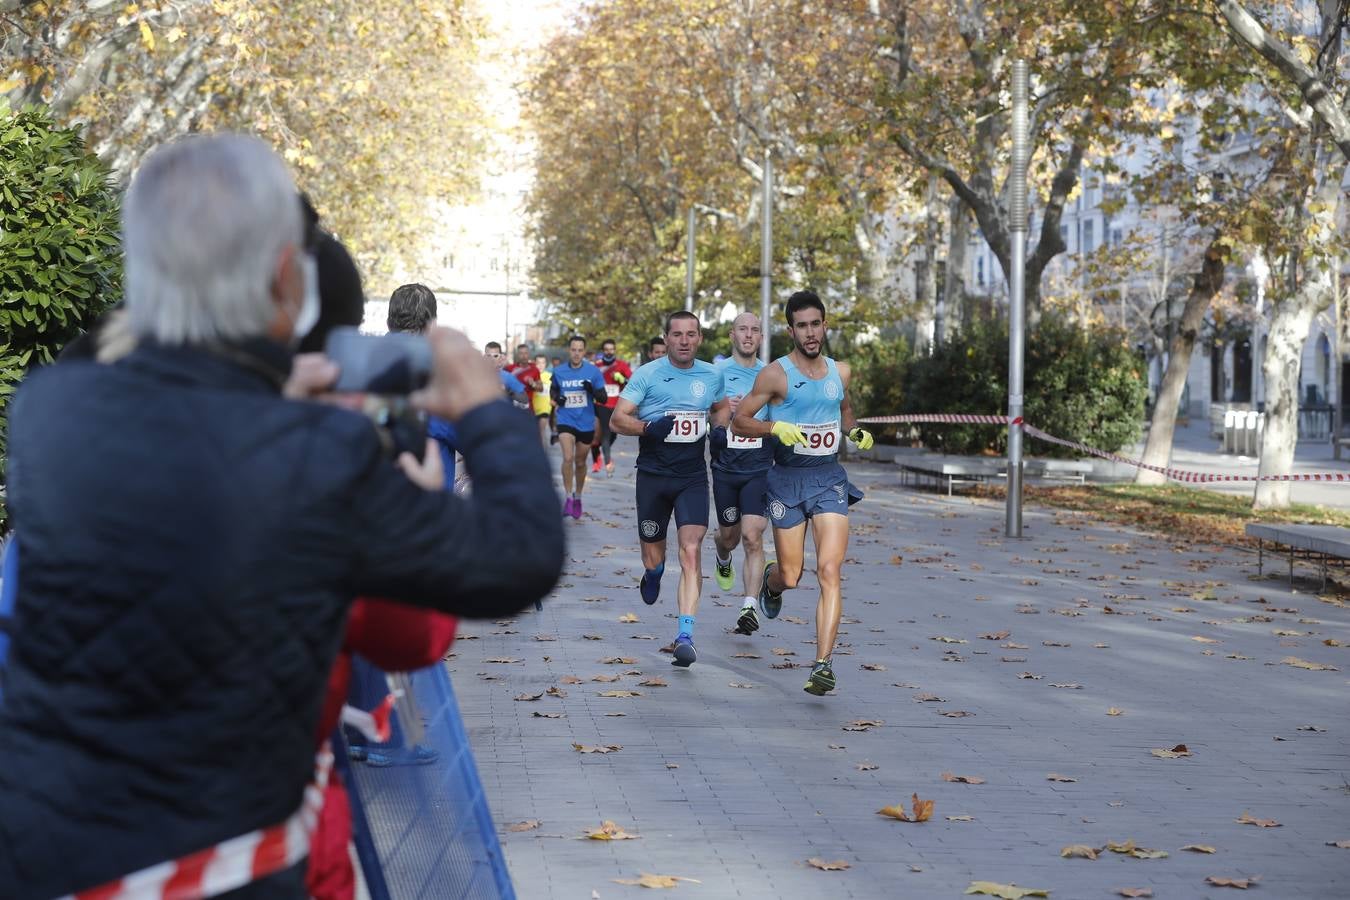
x: 735, y: 777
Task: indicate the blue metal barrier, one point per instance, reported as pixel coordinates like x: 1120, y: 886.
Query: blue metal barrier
x: 425, y: 831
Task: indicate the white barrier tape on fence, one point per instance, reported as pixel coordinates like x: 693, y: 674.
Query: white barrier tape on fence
x: 1183, y: 475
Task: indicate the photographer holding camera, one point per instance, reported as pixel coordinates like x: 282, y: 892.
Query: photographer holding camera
x: 193, y: 534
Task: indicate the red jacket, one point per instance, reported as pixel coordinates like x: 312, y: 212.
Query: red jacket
x: 617, y: 374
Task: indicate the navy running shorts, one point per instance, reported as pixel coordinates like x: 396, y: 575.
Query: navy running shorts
x: 660, y: 495
x: 737, y: 494
x: 583, y: 437
x: 795, y: 494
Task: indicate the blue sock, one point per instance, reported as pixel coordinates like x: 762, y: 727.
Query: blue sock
x: 687, y: 625
x: 655, y: 574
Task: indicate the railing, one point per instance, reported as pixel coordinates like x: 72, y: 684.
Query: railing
x: 1315, y: 423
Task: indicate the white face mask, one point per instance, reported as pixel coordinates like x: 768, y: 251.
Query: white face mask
x: 308, y: 316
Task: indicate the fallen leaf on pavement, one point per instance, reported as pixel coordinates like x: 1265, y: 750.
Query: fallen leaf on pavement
x: 654, y: 681
x: 1069, y: 685
x: 503, y: 659
x: 1205, y: 640
x: 929, y: 698
x: 995, y: 636
x: 1011, y: 659
x: 618, y: 660
x: 1248, y: 819
x: 607, y: 748
x: 592, y: 637
x: 527, y: 825
x: 873, y: 667
x: 556, y: 692
x: 745, y: 656
x: 545, y: 637
x: 672, y: 765
x: 1296, y: 663
x: 1101, y: 646
x: 836, y: 747
x: 1175, y: 753
x: 866, y: 766
x: 1135, y: 892
x: 620, y: 694
x: 1311, y: 728
x: 954, y: 713
x: 788, y: 664
x: 963, y: 779
x: 1054, y: 644
x: 608, y: 831
x: 1144, y: 853
x: 529, y: 696
x: 605, y: 679
x: 1079, y: 851
x: 1013, y: 645
x: 1242, y: 883
x: 648, y: 880
x: 923, y: 810
x: 1054, y: 776
x: 863, y: 724
x: 897, y: 560
x: 1028, y: 676
x: 1126, y: 847
x: 817, y: 863
x: 1005, y: 891
x: 740, y: 684
x: 629, y: 618
x: 544, y: 715
x: 1344, y: 845
x: 783, y: 651
x: 569, y: 679
x: 1199, y: 848
x: 960, y: 818
x: 949, y: 640
x: 795, y: 620
x: 1115, y: 711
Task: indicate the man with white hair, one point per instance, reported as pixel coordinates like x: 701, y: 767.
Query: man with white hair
x: 193, y: 531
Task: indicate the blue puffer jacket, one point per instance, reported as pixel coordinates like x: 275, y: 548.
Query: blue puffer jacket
x: 191, y: 541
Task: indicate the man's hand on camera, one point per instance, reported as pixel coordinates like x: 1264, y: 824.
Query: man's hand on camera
x: 429, y: 474
x: 312, y: 374
x: 461, y: 377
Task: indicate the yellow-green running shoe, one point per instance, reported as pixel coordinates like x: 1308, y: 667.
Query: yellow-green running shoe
x: 821, y: 681
x: 726, y: 575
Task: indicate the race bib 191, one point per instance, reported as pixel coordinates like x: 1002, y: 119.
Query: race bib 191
x: 574, y: 399
x: 689, y: 427
x: 611, y: 390
x: 821, y: 440
x: 736, y: 442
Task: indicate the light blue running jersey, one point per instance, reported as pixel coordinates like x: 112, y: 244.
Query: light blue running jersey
x: 659, y: 388
x: 743, y: 455
x: 813, y: 406
x: 577, y: 409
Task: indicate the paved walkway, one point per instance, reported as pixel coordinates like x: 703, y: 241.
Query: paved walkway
x: 732, y: 775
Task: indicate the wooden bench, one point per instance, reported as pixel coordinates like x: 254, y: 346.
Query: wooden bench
x: 1323, y: 544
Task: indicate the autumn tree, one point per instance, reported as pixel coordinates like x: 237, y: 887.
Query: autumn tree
x: 374, y: 103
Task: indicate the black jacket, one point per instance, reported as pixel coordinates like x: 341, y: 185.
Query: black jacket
x: 191, y: 541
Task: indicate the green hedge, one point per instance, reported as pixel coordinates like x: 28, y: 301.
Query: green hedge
x: 878, y: 386
x: 60, y: 253
x: 1080, y: 385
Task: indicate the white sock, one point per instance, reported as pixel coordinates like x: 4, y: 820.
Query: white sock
x: 749, y: 602
x: 720, y: 558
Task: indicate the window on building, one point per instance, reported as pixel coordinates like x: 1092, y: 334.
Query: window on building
x: 1064, y: 235
x: 1117, y: 237
x: 449, y: 260
x: 1089, y: 240
x: 492, y: 264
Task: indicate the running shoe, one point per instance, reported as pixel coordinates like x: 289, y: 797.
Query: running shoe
x: 684, y: 651
x: 609, y: 469
x: 726, y: 575
x: 567, y: 507
x: 650, y: 588
x: 595, y: 466
x: 821, y: 681
x: 576, y: 507
x: 770, y: 604
x: 748, y: 623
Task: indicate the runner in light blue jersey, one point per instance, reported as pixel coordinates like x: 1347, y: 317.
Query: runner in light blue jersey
x: 807, y: 397
x: 739, y: 476
x: 669, y: 405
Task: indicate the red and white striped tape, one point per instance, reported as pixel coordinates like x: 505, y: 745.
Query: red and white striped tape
x: 1184, y: 475
x: 230, y: 864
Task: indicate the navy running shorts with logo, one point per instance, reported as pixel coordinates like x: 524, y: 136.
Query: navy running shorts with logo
x: 583, y: 437
x: 660, y: 495
x: 737, y: 494
x: 795, y: 494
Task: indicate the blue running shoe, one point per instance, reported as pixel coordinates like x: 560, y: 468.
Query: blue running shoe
x: 650, y: 589
x: 684, y: 651
x: 770, y: 604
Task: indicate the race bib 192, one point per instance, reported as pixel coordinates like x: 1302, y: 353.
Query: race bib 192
x: 574, y: 399
x: 736, y: 442
x: 689, y: 427
x: 821, y: 440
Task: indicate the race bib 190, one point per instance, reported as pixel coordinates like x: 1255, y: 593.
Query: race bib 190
x: 821, y: 440
x: 689, y: 427
x: 574, y: 399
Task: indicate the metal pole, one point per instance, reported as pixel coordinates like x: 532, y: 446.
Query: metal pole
x: 766, y: 261
x: 689, y: 263
x: 1017, y: 294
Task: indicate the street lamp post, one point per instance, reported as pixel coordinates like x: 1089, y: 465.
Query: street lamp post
x: 766, y: 260
x: 1017, y: 294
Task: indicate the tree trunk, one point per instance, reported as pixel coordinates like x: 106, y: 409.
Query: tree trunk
x: 959, y: 314
x: 925, y: 271
x: 1162, y: 427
